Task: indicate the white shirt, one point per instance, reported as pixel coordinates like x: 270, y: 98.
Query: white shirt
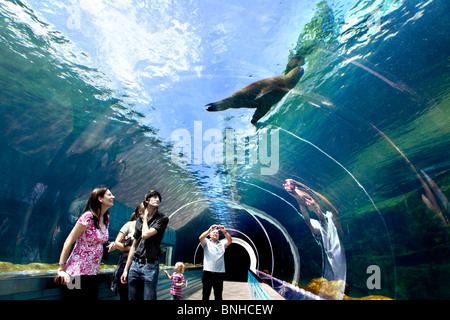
x: 213, y: 255
x: 334, y: 251
x: 128, y: 230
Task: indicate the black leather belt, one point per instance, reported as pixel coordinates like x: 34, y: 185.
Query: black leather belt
x: 144, y: 260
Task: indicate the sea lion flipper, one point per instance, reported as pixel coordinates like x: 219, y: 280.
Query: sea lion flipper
x: 260, y: 112
x: 264, y: 91
x: 233, y: 102
x: 219, y: 105
x: 271, y: 91
x: 212, y: 107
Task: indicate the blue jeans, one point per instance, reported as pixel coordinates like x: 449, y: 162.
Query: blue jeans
x: 142, y: 281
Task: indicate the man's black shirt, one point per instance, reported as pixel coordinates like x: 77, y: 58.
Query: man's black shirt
x: 150, y: 247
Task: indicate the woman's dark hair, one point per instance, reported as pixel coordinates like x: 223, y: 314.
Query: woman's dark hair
x: 94, y: 206
x: 138, y: 209
x: 150, y: 194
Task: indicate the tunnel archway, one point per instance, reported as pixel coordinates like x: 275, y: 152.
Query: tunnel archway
x: 239, y: 206
x: 237, y: 262
x: 251, y: 253
x: 84, y: 105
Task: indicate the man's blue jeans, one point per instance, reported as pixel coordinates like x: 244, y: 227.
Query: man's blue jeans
x: 142, y: 281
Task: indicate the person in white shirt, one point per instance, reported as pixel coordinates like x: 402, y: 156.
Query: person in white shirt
x: 214, y: 260
x: 324, y: 229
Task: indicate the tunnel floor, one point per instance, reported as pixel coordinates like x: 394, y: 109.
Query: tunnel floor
x: 236, y: 290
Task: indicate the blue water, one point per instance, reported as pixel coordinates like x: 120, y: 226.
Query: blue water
x: 102, y: 93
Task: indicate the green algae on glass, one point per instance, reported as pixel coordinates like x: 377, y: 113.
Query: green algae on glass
x: 11, y: 270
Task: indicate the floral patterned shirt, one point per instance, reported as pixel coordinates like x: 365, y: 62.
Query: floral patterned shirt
x: 88, y: 251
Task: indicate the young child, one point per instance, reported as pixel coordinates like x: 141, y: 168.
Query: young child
x: 177, y: 281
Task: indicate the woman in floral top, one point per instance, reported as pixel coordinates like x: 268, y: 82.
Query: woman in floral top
x: 90, y: 233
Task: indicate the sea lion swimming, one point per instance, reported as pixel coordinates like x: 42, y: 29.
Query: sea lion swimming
x: 262, y: 94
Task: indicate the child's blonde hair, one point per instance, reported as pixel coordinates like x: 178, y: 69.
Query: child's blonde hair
x: 181, y: 264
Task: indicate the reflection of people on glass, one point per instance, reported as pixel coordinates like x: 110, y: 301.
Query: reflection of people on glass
x: 324, y: 229
x: 434, y: 198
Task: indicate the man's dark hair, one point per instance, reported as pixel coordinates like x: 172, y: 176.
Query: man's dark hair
x: 150, y: 194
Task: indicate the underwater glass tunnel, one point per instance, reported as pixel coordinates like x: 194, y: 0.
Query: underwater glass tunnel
x: 349, y: 104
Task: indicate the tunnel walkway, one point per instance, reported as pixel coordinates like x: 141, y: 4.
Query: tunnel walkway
x: 43, y: 288
x: 234, y: 290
